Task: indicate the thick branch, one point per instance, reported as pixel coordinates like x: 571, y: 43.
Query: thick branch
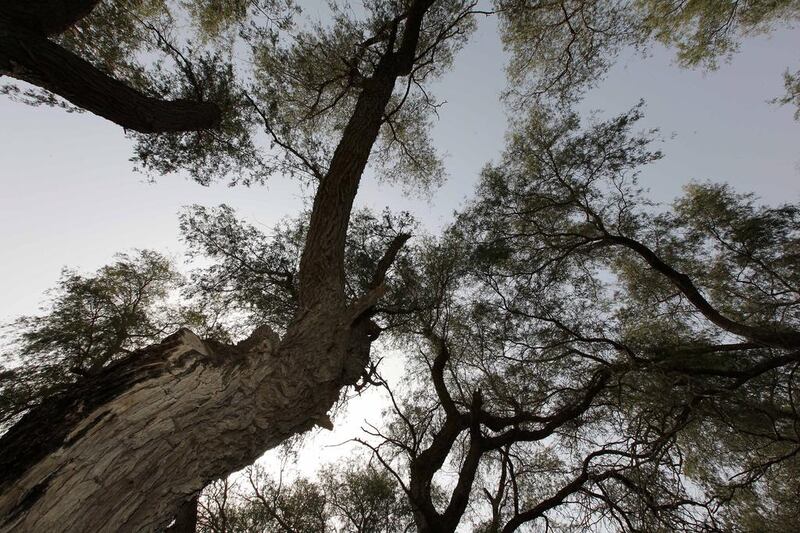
x: 403, y: 60
x: 32, y: 58
x: 761, y: 335
x: 322, y: 262
x: 424, y: 467
x: 437, y: 375
x: 459, y: 498
x: 740, y: 376
x: 558, y: 419
x: 388, y: 259
x: 548, y: 503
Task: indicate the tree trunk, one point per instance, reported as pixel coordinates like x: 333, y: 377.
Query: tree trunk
x: 124, y: 449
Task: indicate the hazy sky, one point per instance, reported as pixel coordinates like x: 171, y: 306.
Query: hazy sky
x: 68, y: 195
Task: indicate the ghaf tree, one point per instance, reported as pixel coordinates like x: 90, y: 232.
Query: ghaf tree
x: 147, y: 414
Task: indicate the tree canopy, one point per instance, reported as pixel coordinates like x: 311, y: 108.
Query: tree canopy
x: 575, y: 356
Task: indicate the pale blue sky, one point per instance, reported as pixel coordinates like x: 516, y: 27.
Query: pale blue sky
x: 68, y: 195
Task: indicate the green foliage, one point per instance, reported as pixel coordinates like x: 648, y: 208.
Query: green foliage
x: 750, y: 252
x: 348, y: 497
x: 304, y: 108
x: 229, y: 150
x: 285, y: 106
x: 89, y: 321
x: 703, y: 31
x: 539, y: 318
x: 287, y: 85
x: 285, y: 90
x: 791, y: 80
x: 563, y: 297
x: 216, y: 17
x: 115, y: 34
x: 252, y: 277
x: 559, y: 49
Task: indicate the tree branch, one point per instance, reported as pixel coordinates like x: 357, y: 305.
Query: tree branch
x: 322, y: 263
x: 34, y: 59
x: 780, y: 338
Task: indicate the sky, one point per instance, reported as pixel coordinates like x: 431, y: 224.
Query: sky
x: 69, y: 197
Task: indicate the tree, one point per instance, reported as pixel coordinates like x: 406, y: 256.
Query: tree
x: 289, y: 382
x: 590, y: 362
x: 348, y: 497
x: 177, y: 415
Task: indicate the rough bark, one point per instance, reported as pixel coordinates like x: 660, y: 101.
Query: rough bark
x: 130, y: 445
x: 28, y: 55
x: 124, y: 449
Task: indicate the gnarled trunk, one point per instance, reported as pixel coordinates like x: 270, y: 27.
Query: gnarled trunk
x: 124, y: 449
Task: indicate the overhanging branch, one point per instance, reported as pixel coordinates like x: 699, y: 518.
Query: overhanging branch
x: 36, y: 60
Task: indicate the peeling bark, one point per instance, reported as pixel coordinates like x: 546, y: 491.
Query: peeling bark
x: 130, y: 445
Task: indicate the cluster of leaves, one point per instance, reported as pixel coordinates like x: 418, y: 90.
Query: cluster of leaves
x: 588, y: 359
x: 351, y: 497
x: 285, y: 91
x: 703, y: 31
x: 304, y: 108
x: 252, y: 276
x: 558, y: 49
x: 88, y: 322
x: 283, y: 112
x: 791, y: 80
